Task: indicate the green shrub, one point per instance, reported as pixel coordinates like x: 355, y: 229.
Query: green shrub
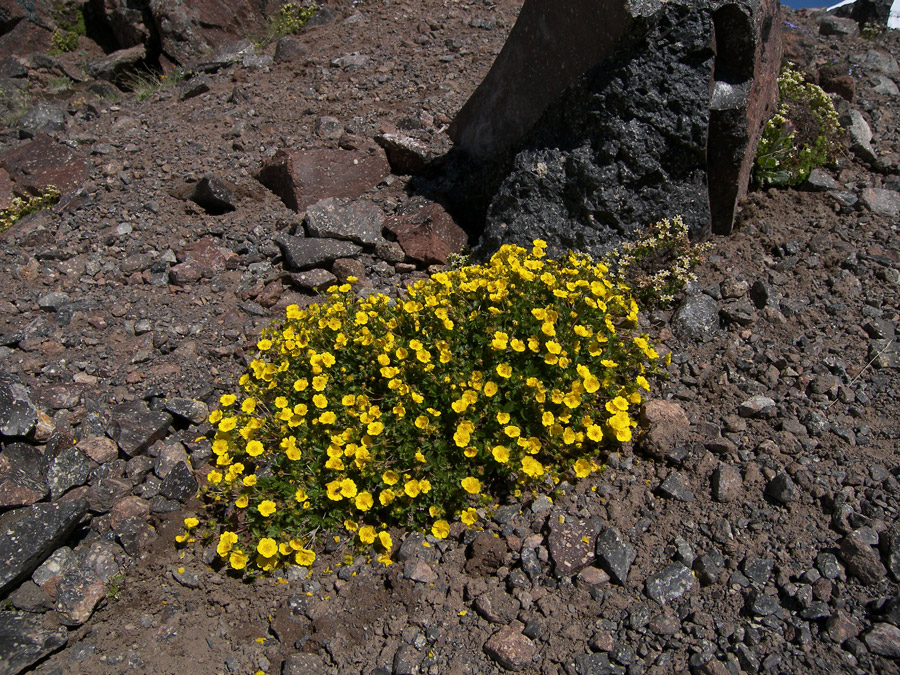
x: 22, y: 207
x: 364, y: 413
x: 802, y: 135
x: 289, y: 19
x: 63, y: 41
x: 659, y: 265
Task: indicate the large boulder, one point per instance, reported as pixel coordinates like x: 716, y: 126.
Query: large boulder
x: 617, y: 114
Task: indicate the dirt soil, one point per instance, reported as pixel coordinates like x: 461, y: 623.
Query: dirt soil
x: 756, y: 499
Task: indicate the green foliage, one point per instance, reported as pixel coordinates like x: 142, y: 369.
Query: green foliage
x: 360, y: 414
x: 63, y: 41
x: 23, y: 207
x: 659, y: 265
x: 15, y: 103
x: 802, y: 135
x: 288, y: 20
x: 146, y: 83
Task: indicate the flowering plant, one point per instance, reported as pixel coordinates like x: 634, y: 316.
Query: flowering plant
x: 802, y: 135
x: 365, y: 413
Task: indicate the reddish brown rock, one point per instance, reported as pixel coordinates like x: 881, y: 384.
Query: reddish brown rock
x: 666, y: 426
x: 130, y: 507
x: 99, y: 448
x: 42, y: 162
x: 510, y: 648
x: 303, y: 177
x: 428, y: 235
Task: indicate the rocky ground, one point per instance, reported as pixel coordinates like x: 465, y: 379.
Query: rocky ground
x: 756, y: 528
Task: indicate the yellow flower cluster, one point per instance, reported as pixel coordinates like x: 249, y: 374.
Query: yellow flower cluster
x: 366, y: 413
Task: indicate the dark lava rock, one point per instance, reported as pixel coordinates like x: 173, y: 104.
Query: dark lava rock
x: 612, y: 124
x: 42, y: 118
x: 24, y: 641
x: 21, y: 475
x: 670, y: 583
x: 30, y: 534
x: 303, y: 253
x: 782, y: 488
x: 212, y: 194
x: 357, y: 221
x: 17, y: 413
x: 406, y: 155
x: 597, y: 664
x: 135, y: 427
x: 884, y: 639
x: 709, y: 567
x: 676, y: 486
x: 615, y: 555
x: 70, y: 468
x: 179, y: 484
x: 697, y: 319
x: 861, y: 559
x: 78, y: 594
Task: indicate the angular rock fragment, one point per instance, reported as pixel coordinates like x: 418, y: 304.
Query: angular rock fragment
x: 303, y: 253
x: 428, y: 234
x: 571, y: 545
x: 406, y: 155
x: 358, y: 221
x: 884, y: 639
x: 510, y: 648
x: 77, y: 595
x: 615, y: 555
x: 670, y: 583
x: 135, y: 427
x: 17, y: 413
x: 21, y: 475
x: 24, y: 641
x: 28, y: 535
x: 212, y: 194
x: 861, y: 559
x: 303, y: 177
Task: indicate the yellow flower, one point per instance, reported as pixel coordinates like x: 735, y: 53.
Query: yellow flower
x: 190, y: 523
x: 226, y: 541
x: 470, y: 451
x: 642, y: 382
x: 319, y: 382
x: 249, y: 405
x: 227, y: 424
x: 386, y: 497
x: 501, y: 453
x: 255, y: 448
x: 227, y: 399
x: 385, y: 540
x: 469, y: 517
x: 595, y: 433
x: 320, y: 401
x: 364, y: 501
x: 267, y: 547
x: 333, y: 491
x: 500, y: 341
x: 266, y: 508
x: 390, y: 477
x: 304, y: 557
x: 547, y: 419
x: 490, y: 388
x: 440, y: 529
x: 242, y: 501
x: 471, y: 485
x: 617, y: 405
x: 214, y: 477
x: 250, y: 480
x: 532, y: 467
x: 300, y: 496
x: 348, y: 488
x: 264, y: 345
x: 411, y: 488
x: 553, y: 347
x: 503, y: 417
x: 422, y: 422
x: 351, y: 525
x: 582, y: 468
x: 327, y: 417
x: 504, y: 370
x: 420, y: 458
x: 374, y: 428
x: 367, y: 534
x: 238, y: 560
x: 293, y: 453
x: 512, y: 431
